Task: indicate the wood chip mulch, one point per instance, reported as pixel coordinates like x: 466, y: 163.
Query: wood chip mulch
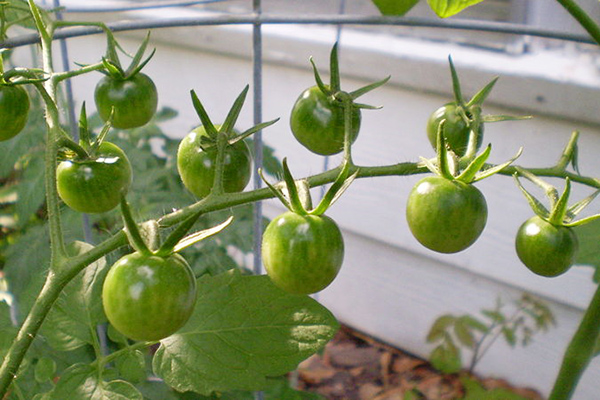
x: 357, y: 367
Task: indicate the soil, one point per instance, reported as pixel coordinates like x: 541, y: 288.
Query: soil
x: 357, y: 367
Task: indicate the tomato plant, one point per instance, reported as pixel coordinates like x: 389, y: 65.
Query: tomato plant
x: 94, y: 184
x: 134, y: 100
x: 317, y: 122
x: 456, y: 131
x: 148, y: 297
x: 196, y: 166
x: 446, y: 215
x: 302, y: 253
x: 544, y: 248
x: 14, y: 109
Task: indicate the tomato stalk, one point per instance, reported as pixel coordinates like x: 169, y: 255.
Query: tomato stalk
x: 579, y: 352
x: 582, y: 18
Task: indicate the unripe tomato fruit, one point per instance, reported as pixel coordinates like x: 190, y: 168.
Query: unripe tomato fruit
x: 444, y: 215
x: 317, y: 122
x: 302, y: 253
x: 546, y: 249
x: 14, y: 109
x: 147, y: 297
x: 134, y: 100
x: 456, y: 131
x: 197, y: 167
x: 95, y: 185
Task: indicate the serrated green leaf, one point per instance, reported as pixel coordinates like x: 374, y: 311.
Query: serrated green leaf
x: 588, y: 236
x: 81, y: 382
x: 45, y: 368
x: 31, y: 190
x: 495, y: 316
x: 448, y: 8
x: 509, y: 336
x: 438, y: 329
x: 474, y: 391
x: 132, y: 366
x: 72, y: 321
x: 243, y: 330
x: 463, y: 333
x: 475, y: 323
x: 446, y: 359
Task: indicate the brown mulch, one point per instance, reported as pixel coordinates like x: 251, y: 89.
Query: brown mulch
x: 357, y: 367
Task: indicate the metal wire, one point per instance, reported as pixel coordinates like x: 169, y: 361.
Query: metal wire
x: 252, y: 19
x: 136, y: 6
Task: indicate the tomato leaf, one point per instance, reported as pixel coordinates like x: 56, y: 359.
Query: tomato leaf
x: 474, y: 391
x: 446, y: 358
x: 448, y: 8
x: 588, y: 254
x: 31, y: 192
x: 394, y: 7
x: 243, y: 330
x: 81, y: 382
x: 72, y: 321
x: 438, y: 329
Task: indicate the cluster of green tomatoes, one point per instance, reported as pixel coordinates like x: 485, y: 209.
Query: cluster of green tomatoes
x: 150, y: 293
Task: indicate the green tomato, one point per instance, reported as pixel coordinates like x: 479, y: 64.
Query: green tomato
x: 317, y: 122
x: 95, y: 185
x: 302, y: 253
x: 456, y: 131
x: 14, y: 109
x: 444, y: 215
x: 134, y: 100
x: 546, y: 249
x: 147, y: 297
x: 197, y: 167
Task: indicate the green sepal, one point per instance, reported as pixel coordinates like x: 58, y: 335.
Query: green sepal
x: 339, y: 186
x: 559, y: 211
x: 366, y: 89
x: 276, y: 191
x: 470, y: 172
x: 320, y: 84
x: 137, y: 64
x: 201, y: 235
x: 252, y: 131
x: 334, y: 70
x: 234, y: 112
x: 480, y: 96
x: 85, y: 137
x: 537, y: 207
x: 501, y: 118
x: 444, y: 163
x: 458, y: 97
x: 486, y: 173
x: 131, y: 229
x: 292, y: 190
x: 209, y: 127
x: 580, y: 205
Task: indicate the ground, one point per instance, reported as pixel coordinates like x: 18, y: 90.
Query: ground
x: 357, y: 367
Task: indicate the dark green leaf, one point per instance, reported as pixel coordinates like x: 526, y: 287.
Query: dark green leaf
x: 494, y: 315
x: 45, y: 368
x: 394, y: 7
x: 474, y: 391
x: 446, y: 359
x: 589, y: 251
x: 132, y: 366
x: 81, y: 382
x: 243, y: 330
x: 448, y: 8
x: 463, y: 333
x: 72, y: 321
x: 475, y: 323
x: 31, y: 190
x: 438, y: 329
x: 509, y: 336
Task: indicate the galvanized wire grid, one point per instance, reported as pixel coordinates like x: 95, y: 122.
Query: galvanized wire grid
x: 256, y: 19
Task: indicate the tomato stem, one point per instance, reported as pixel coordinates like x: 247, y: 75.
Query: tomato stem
x: 579, y: 352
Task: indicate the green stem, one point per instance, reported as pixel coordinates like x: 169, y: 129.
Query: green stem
x: 579, y: 352
x: 116, y: 354
x: 53, y: 286
x: 583, y: 18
